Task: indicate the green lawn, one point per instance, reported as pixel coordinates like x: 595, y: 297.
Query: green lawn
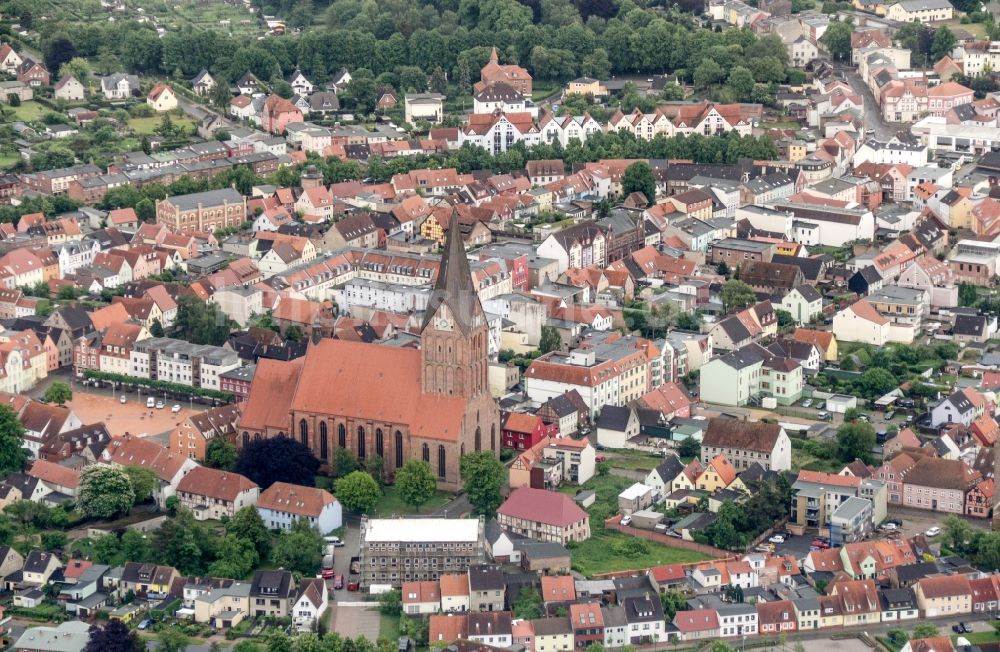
x: 149, y: 125
x: 7, y: 160
x: 543, y: 91
x: 598, y: 554
x: 790, y: 124
x: 392, y: 503
x: 388, y: 627
x: 632, y: 459
x: 978, y: 638
x: 803, y: 460
x: 29, y: 110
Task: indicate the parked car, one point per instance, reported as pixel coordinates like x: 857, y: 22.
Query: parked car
x: 176, y: 408
x: 146, y: 624
x: 334, y: 540
x: 776, y: 538
x: 820, y: 543
x: 807, y: 403
x: 123, y: 400
x: 823, y: 416
x: 958, y: 629
x: 160, y: 405
x: 150, y: 402
x: 820, y: 405
x: 889, y: 416
x: 338, y: 582
x: 626, y: 520
x: 933, y: 531
x: 328, y: 573
x: 890, y: 527
x: 966, y: 627
x: 353, y: 585
x: 601, y: 458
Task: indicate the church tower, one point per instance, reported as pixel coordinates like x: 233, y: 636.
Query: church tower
x: 454, y: 341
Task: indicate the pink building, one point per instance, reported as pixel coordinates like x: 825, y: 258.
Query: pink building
x: 941, y: 98
x: 278, y: 113
x: 938, y: 484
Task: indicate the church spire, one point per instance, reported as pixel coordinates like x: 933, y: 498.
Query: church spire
x: 454, y: 287
x: 494, y: 58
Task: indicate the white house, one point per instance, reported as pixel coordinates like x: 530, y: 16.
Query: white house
x: 282, y: 504
x: 424, y: 106
x: 300, y: 84
x: 616, y: 425
x: 312, y: 600
x: 860, y: 322
x: 119, y: 86
x: 803, y: 302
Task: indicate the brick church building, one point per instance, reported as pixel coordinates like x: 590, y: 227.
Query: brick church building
x: 398, y: 403
x: 514, y: 76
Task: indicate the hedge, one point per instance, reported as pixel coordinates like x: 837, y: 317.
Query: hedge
x: 159, y: 385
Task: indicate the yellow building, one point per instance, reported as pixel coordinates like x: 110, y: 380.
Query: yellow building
x: 587, y: 86
x: 719, y: 474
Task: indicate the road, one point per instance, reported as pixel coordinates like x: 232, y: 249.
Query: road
x: 873, y: 116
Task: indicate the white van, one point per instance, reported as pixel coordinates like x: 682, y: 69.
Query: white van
x: 150, y: 402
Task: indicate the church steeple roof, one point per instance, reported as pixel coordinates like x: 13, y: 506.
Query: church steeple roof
x: 454, y: 287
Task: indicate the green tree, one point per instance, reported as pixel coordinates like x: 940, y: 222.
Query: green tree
x: 156, y: 329
x: 708, y: 73
x: 78, y: 68
x: 415, y: 482
x: 855, y: 441
x: 482, y: 478
x: 736, y: 295
x: 358, y: 492
x: 639, y: 177
x: 390, y: 603
x: 221, y: 454
x: 299, y: 548
x: 551, y: 340
x: 925, y: 630
x: 235, y: 559
x: 172, y: 639
x: 200, y: 322
x: 247, y: 524
x: 877, y: 381
x: 967, y: 295
x: 13, y: 454
x: 785, y: 318
x: 114, y: 636
x: 957, y: 533
x: 58, y: 393
x: 689, y: 447
x: 943, y: 43
x: 528, y: 604
x: 344, y: 462
x: 672, y: 601
x: 135, y: 546
x: 104, y: 491
x: 741, y: 82
x: 837, y: 39
x: 144, y: 482
x: 438, y: 81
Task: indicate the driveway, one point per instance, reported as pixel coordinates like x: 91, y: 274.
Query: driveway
x: 355, y: 621
x: 342, y: 559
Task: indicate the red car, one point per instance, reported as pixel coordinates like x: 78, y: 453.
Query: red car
x: 600, y: 458
x: 353, y: 586
x: 338, y: 582
x: 820, y: 543
x: 328, y: 573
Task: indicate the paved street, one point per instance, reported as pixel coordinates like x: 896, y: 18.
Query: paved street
x: 873, y: 117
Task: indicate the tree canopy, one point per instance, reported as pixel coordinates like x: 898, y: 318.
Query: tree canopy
x: 13, y: 454
x: 639, y: 177
x: 358, y: 492
x: 279, y: 459
x: 482, y: 478
x: 104, y: 491
x: 415, y: 482
x: 58, y: 393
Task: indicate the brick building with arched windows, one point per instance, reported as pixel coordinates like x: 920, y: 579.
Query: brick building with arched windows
x: 397, y: 403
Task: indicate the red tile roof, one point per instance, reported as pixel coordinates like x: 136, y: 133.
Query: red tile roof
x: 542, y: 506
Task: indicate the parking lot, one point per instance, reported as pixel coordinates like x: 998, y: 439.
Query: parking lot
x: 916, y: 521
x: 798, y: 547
x: 93, y: 405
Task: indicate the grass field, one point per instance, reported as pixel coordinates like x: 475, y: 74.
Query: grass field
x: 388, y: 627
x: 28, y: 111
x: 803, y: 460
x: 976, y: 29
x: 7, y: 160
x: 392, y: 503
x: 598, y: 554
x: 148, y: 125
x: 630, y: 459
x: 979, y: 638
